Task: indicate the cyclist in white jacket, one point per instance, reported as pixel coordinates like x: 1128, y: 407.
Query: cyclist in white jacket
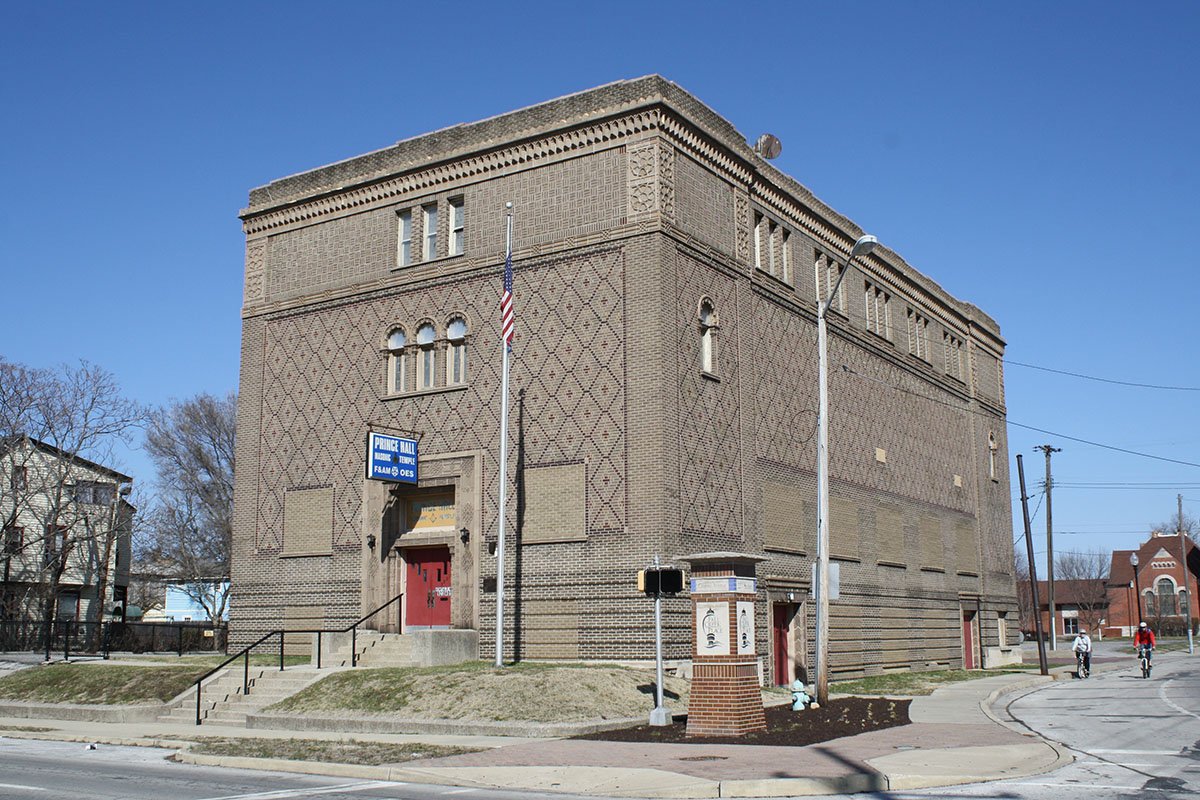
x: 1083, y: 644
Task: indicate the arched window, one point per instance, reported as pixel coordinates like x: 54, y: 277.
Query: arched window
x: 397, y: 369
x: 456, y: 352
x: 992, y: 448
x: 708, y: 337
x: 425, y: 358
x: 1167, y: 599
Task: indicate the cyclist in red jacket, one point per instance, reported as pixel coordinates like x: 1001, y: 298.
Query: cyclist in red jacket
x: 1144, y: 638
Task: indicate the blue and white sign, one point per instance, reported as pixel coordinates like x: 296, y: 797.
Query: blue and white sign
x: 391, y: 458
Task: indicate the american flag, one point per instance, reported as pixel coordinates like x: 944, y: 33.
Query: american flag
x: 506, y: 302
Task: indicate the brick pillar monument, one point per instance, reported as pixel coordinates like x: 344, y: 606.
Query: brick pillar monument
x: 726, y: 699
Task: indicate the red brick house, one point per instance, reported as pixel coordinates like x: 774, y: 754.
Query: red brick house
x: 1160, y: 583
x: 1079, y: 604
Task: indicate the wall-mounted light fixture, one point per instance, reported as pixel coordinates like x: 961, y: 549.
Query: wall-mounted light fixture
x: 465, y: 535
x: 371, y: 540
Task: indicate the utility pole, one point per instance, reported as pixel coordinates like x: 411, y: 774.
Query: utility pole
x: 1183, y: 548
x: 1033, y: 589
x: 1047, y: 449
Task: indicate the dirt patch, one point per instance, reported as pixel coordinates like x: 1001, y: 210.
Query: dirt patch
x: 843, y: 716
x: 524, y: 692
x: 326, y: 750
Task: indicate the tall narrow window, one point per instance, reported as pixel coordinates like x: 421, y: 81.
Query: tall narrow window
x: 918, y: 335
x: 832, y: 271
x: 1167, y: 598
x: 878, y: 313
x: 785, y: 259
x: 425, y: 358
x: 457, y: 228
x: 759, y: 231
x: 429, y: 219
x: 992, y: 448
x: 14, y: 540
x: 954, y: 358
x: 772, y: 258
x: 404, y: 248
x: 397, y: 363
x: 708, y: 337
x: 20, y: 478
x: 456, y: 352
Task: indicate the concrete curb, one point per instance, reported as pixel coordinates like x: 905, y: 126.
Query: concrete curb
x: 536, y: 778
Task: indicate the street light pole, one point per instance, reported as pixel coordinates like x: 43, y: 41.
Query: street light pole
x: 863, y: 246
x: 1137, y: 589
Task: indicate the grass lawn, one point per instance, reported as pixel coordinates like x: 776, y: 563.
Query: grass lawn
x: 100, y: 684
x: 339, y: 752
x: 913, y: 684
x: 478, y: 691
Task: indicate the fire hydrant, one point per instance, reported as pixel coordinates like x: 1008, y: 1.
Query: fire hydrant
x: 800, y: 698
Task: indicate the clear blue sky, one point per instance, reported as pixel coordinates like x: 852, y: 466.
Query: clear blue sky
x: 1037, y: 159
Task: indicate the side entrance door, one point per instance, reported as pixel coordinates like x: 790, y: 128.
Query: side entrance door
x: 427, y: 587
x: 968, y: 636
x: 781, y: 622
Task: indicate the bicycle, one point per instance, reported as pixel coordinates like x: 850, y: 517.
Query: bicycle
x: 1081, y: 665
x: 1144, y: 659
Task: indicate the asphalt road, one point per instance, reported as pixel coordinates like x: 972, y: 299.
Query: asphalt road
x: 43, y: 770
x: 1131, y: 738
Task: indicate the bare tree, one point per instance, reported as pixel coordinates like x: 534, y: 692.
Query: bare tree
x: 1024, y: 589
x: 190, y: 525
x: 61, y: 508
x: 1089, y: 571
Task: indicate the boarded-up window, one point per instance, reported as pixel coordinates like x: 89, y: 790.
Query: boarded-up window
x: 843, y: 528
x: 301, y: 618
x: 555, y: 510
x: 966, y: 547
x: 987, y: 374
x: 550, y: 629
x: 933, y: 551
x: 889, y: 524
x: 788, y: 521
x: 308, y: 522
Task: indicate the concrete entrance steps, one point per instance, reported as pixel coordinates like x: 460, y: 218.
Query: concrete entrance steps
x: 376, y: 650
x: 224, y: 702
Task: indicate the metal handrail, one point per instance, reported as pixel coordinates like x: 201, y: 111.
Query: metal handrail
x: 244, y: 653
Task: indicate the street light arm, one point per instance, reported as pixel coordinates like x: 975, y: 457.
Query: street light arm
x: 864, y: 245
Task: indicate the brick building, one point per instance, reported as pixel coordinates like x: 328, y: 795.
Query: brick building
x: 1162, y: 579
x: 664, y: 395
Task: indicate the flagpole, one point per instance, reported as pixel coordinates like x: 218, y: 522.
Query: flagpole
x: 506, y: 348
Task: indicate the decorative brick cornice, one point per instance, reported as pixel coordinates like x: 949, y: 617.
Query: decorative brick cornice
x: 607, y: 132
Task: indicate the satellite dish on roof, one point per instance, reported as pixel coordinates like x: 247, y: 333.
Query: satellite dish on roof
x: 768, y: 146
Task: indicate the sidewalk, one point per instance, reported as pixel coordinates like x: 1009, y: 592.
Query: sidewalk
x: 954, y: 738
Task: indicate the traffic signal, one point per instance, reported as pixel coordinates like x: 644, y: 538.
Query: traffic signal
x: 660, y: 581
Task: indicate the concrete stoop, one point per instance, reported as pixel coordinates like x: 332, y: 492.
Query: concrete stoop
x: 375, y: 650
x: 224, y: 701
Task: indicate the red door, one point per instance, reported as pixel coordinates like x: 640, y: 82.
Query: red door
x: 780, y: 624
x: 968, y: 633
x: 427, y: 588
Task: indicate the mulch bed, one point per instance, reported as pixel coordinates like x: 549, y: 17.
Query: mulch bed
x: 840, y: 717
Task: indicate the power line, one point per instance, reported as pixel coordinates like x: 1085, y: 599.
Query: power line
x: 1104, y: 446
x: 847, y: 369
x: 1105, y: 380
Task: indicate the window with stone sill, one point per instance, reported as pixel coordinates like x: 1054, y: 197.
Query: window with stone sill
x: 397, y: 361
x: 404, y: 255
x: 457, y: 226
x: 429, y: 219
